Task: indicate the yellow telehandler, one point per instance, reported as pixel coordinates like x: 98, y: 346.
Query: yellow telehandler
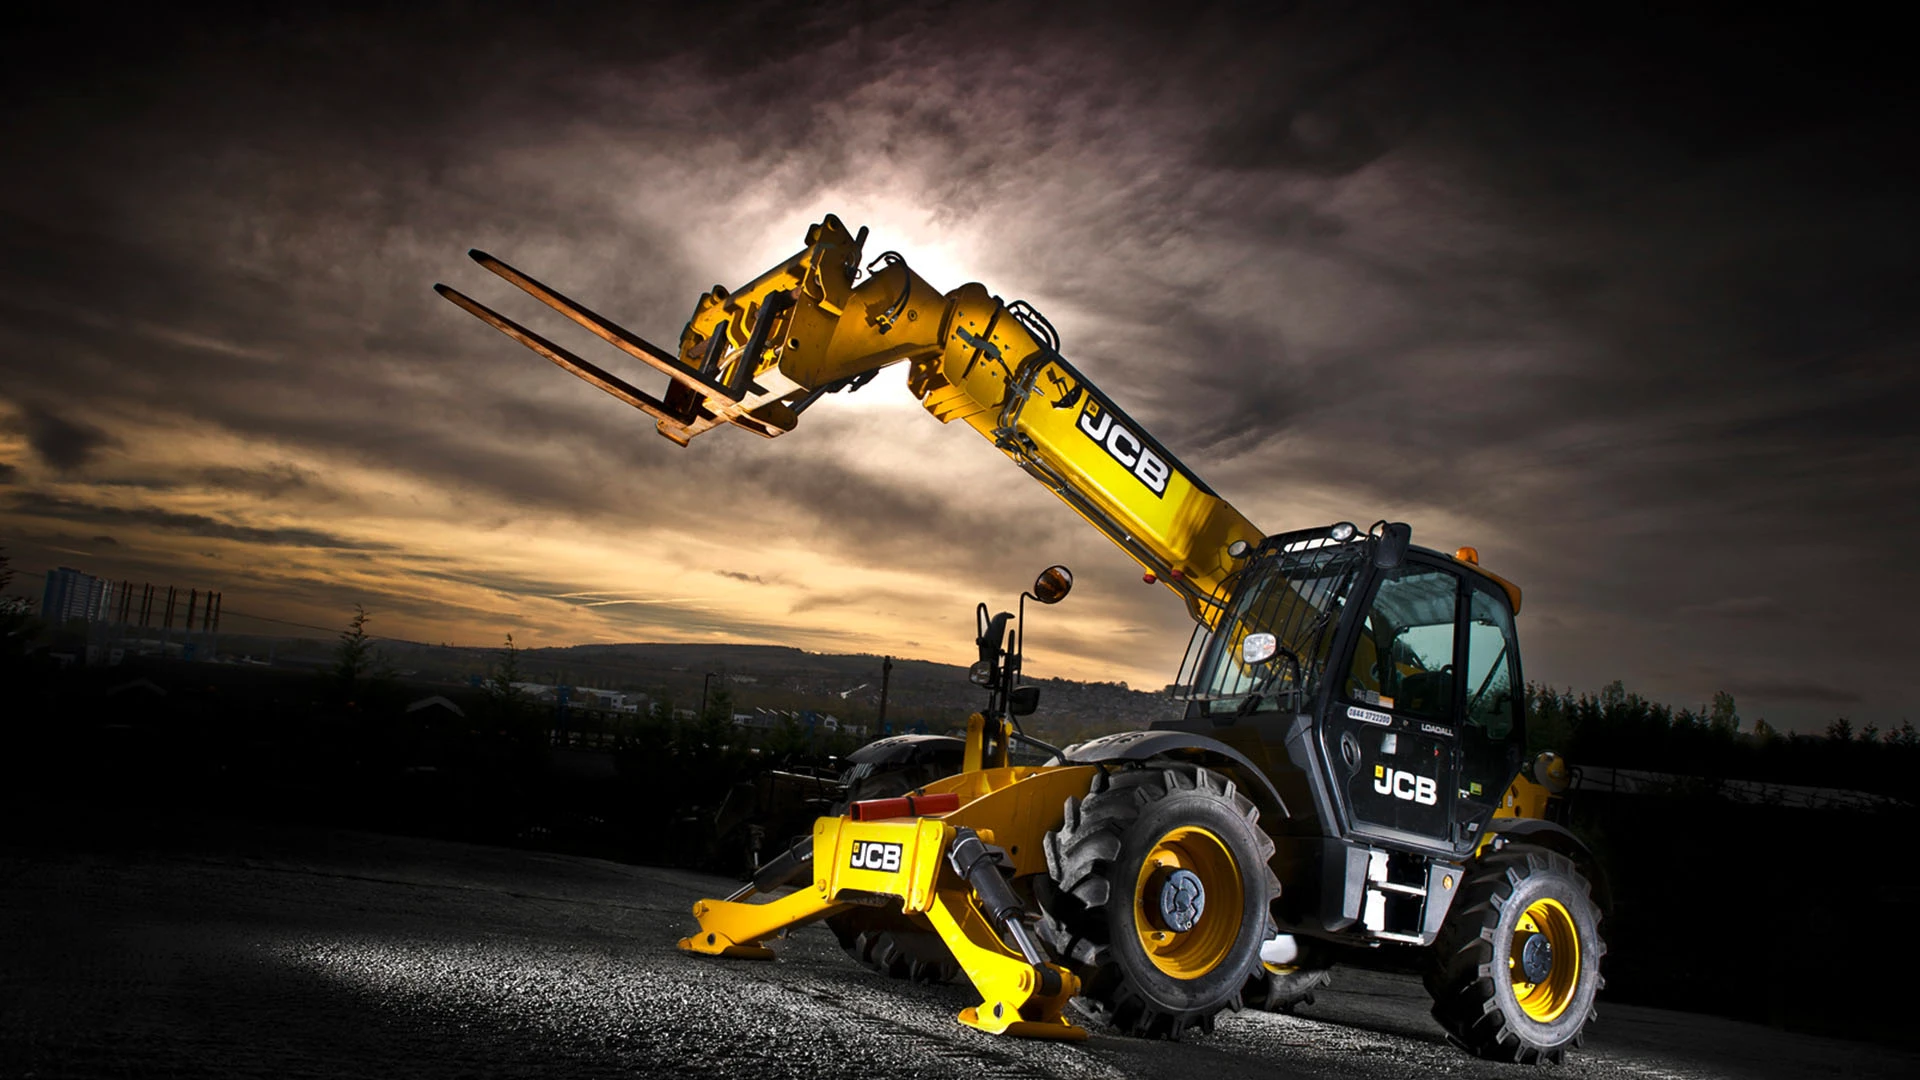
x: 1347, y: 768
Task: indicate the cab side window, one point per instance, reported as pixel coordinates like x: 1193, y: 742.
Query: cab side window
x: 1492, y: 732
x: 1404, y: 659
x: 1490, y: 655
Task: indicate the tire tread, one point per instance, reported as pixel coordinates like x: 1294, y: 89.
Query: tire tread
x: 1080, y: 857
x: 1461, y: 978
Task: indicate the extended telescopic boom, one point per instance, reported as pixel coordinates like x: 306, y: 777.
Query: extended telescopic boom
x: 759, y: 356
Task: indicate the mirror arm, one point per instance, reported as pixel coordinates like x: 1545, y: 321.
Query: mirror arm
x: 1021, y: 736
x: 1015, y: 658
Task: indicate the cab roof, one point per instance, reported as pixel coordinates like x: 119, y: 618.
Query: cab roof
x: 1472, y: 564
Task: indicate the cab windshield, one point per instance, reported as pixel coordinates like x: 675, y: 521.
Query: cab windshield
x: 1295, y: 593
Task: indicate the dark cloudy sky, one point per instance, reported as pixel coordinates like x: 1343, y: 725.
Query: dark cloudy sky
x: 1626, y: 302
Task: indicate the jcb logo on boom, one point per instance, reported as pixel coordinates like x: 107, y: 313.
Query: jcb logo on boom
x: 1404, y: 785
x: 1124, y: 446
x: 874, y: 855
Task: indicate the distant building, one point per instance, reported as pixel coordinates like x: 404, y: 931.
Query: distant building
x: 538, y: 691
x: 71, y: 595
x: 583, y: 697
x: 806, y: 720
x: 828, y: 722
x: 623, y: 701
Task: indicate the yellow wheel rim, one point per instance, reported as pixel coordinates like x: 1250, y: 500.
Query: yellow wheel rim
x: 1548, y: 921
x: 1191, y: 953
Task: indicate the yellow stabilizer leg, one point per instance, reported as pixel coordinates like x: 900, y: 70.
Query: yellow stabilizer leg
x: 1017, y: 998
x: 905, y: 862
x: 732, y: 928
x: 866, y: 861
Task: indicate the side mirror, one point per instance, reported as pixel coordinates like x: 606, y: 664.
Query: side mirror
x: 1022, y: 700
x: 1391, y: 547
x: 1053, y: 584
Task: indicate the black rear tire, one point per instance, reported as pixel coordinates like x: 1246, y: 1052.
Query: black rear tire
x: 1283, y: 991
x: 1473, y: 974
x: 1093, y: 898
x: 894, y: 944
x: 886, y: 939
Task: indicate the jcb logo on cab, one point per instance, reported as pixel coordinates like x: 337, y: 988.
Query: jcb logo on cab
x: 874, y: 855
x: 1404, y: 785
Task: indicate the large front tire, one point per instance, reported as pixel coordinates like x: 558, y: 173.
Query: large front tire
x: 1516, y: 967
x: 1157, y: 895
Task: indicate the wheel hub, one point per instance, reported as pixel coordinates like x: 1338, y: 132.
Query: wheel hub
x: 1181, y: 934
x: 1543, y: 959
x: 1536, y: 958
x: 1183, y: 899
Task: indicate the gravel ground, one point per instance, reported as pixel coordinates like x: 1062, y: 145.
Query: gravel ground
x: 223, y: 950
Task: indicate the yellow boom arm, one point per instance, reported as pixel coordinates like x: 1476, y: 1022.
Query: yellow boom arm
x: 759, y: 356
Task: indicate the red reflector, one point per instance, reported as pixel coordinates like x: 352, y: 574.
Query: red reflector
x: 1148, y: 577
x: 905, y: 806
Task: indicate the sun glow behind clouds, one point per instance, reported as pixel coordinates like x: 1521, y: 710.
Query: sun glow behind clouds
x: 295, y: 533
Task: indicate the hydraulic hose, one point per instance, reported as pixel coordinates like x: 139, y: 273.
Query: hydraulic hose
x: 784, y: 867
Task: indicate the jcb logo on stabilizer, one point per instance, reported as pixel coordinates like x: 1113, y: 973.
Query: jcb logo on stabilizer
x: 874, y: 855
x: 1404, y: 785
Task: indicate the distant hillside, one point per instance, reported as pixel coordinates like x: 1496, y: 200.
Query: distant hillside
x: 770, y: 676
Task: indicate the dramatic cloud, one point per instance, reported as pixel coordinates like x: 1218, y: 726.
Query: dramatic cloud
x: 60, y: 442
x: 1619, y: 303
x: 193, y: 524
x: 1795, y: 690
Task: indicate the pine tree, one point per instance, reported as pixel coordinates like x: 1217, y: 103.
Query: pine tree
x: 511, y: 709
x: 1613, y: 696
x: 353, y: 657
x: 503, y: 681
x: 1723, y: 717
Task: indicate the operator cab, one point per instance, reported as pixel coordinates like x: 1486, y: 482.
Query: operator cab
x: 1376, y: 681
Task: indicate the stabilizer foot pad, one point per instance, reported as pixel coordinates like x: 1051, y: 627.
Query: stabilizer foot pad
x: 1058, y: 1029
x: 720, y: 945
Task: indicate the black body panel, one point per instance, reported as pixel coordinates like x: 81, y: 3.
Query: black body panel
x: 1143, y: 745
x: 1396, y: 773
x: 910, y: 750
